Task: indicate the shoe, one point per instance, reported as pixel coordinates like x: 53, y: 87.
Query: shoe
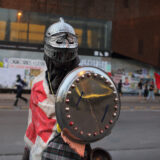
x: 15, y: 105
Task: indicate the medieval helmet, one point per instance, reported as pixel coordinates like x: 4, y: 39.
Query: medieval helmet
x: 61, y: 43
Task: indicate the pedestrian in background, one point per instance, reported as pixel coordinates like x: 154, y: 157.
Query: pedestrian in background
x: 140, y: 89
x: 120, y: 87
x: 146, y: 91
x: 151, y: 91
x: 20, y: 84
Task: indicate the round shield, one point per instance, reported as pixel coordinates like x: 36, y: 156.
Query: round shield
x: 87, y: 104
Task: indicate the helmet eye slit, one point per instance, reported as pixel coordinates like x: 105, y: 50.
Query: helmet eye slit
x: 71, y: 42
x: 59, y: 42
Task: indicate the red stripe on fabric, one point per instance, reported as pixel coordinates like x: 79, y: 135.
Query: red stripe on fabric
x: 31, y: 133
x: 37, y: 93
x: 41, y: 125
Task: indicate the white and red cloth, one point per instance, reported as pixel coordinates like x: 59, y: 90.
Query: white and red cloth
x: 41, y: 120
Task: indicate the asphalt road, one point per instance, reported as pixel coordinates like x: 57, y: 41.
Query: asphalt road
x: 135, y: 136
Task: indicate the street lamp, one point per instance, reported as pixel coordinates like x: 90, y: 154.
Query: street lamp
x: 19, y: 15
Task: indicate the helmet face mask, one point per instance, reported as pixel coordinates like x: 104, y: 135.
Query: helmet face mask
x: 62, y: 40
x: 60, y: 55
x: 61, y: 43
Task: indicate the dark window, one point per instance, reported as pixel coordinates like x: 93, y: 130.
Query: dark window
x: 140, y: 47
x: 126, y: 3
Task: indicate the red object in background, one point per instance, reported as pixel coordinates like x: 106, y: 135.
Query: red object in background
x: 109, y: 73
x: 157, y: 78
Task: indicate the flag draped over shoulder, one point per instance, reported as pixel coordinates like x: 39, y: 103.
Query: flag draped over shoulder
x: 42, y: 119
x: 157, y: 78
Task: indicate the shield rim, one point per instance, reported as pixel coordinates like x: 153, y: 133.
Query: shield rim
x: 62, y: 93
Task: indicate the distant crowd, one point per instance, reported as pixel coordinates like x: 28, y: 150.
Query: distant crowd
x: 145, y: 90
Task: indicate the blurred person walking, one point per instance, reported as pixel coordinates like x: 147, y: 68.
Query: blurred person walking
x: 146, y: 91
x: 20, y: 84
x: 120, y: 87
x: 140, y: 88
x: 151, y: 91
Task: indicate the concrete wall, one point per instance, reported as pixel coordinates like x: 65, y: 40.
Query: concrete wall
x: 136, y: 23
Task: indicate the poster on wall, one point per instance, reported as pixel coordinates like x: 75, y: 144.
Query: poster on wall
x: 104, y: 65
x: 129, y: 81
x: 27, y: 68
x: 117, y: 77
x: 26, y: 63
x: 8, y: 76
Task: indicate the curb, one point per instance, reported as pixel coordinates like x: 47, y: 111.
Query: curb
x: 13, y: 107
x: 140, y: 108
x: 123, y: 108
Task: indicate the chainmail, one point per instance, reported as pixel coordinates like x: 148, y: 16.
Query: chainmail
x: 58, y: 71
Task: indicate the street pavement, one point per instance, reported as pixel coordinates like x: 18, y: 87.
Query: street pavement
x: 135, y: 135
x: 127, y: 102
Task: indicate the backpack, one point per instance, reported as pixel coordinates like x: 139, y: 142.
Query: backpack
x: 24, y: 84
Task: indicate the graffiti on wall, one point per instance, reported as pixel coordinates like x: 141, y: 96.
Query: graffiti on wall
x: 130, y: 80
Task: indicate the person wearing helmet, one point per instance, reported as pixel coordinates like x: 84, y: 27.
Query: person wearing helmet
x: 61, y: 51
x: 43, y: 138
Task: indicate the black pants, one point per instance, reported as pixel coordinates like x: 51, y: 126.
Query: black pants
x: 19, y: 95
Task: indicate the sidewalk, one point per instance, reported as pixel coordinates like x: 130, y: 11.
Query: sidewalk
x: 135, y: 98
x: 7, y: 101
x: 130, y: 102
x: 134, y: 103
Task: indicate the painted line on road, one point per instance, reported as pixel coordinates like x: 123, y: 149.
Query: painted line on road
x: 139, y: 108
x: 13, y: 110
x: 11, y: 154
x: 13, y: 107
x: 6, y: 107
x: 155, y: 107
x: 125, y: 108
x: 132, y: 149
x: 140, y: 111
